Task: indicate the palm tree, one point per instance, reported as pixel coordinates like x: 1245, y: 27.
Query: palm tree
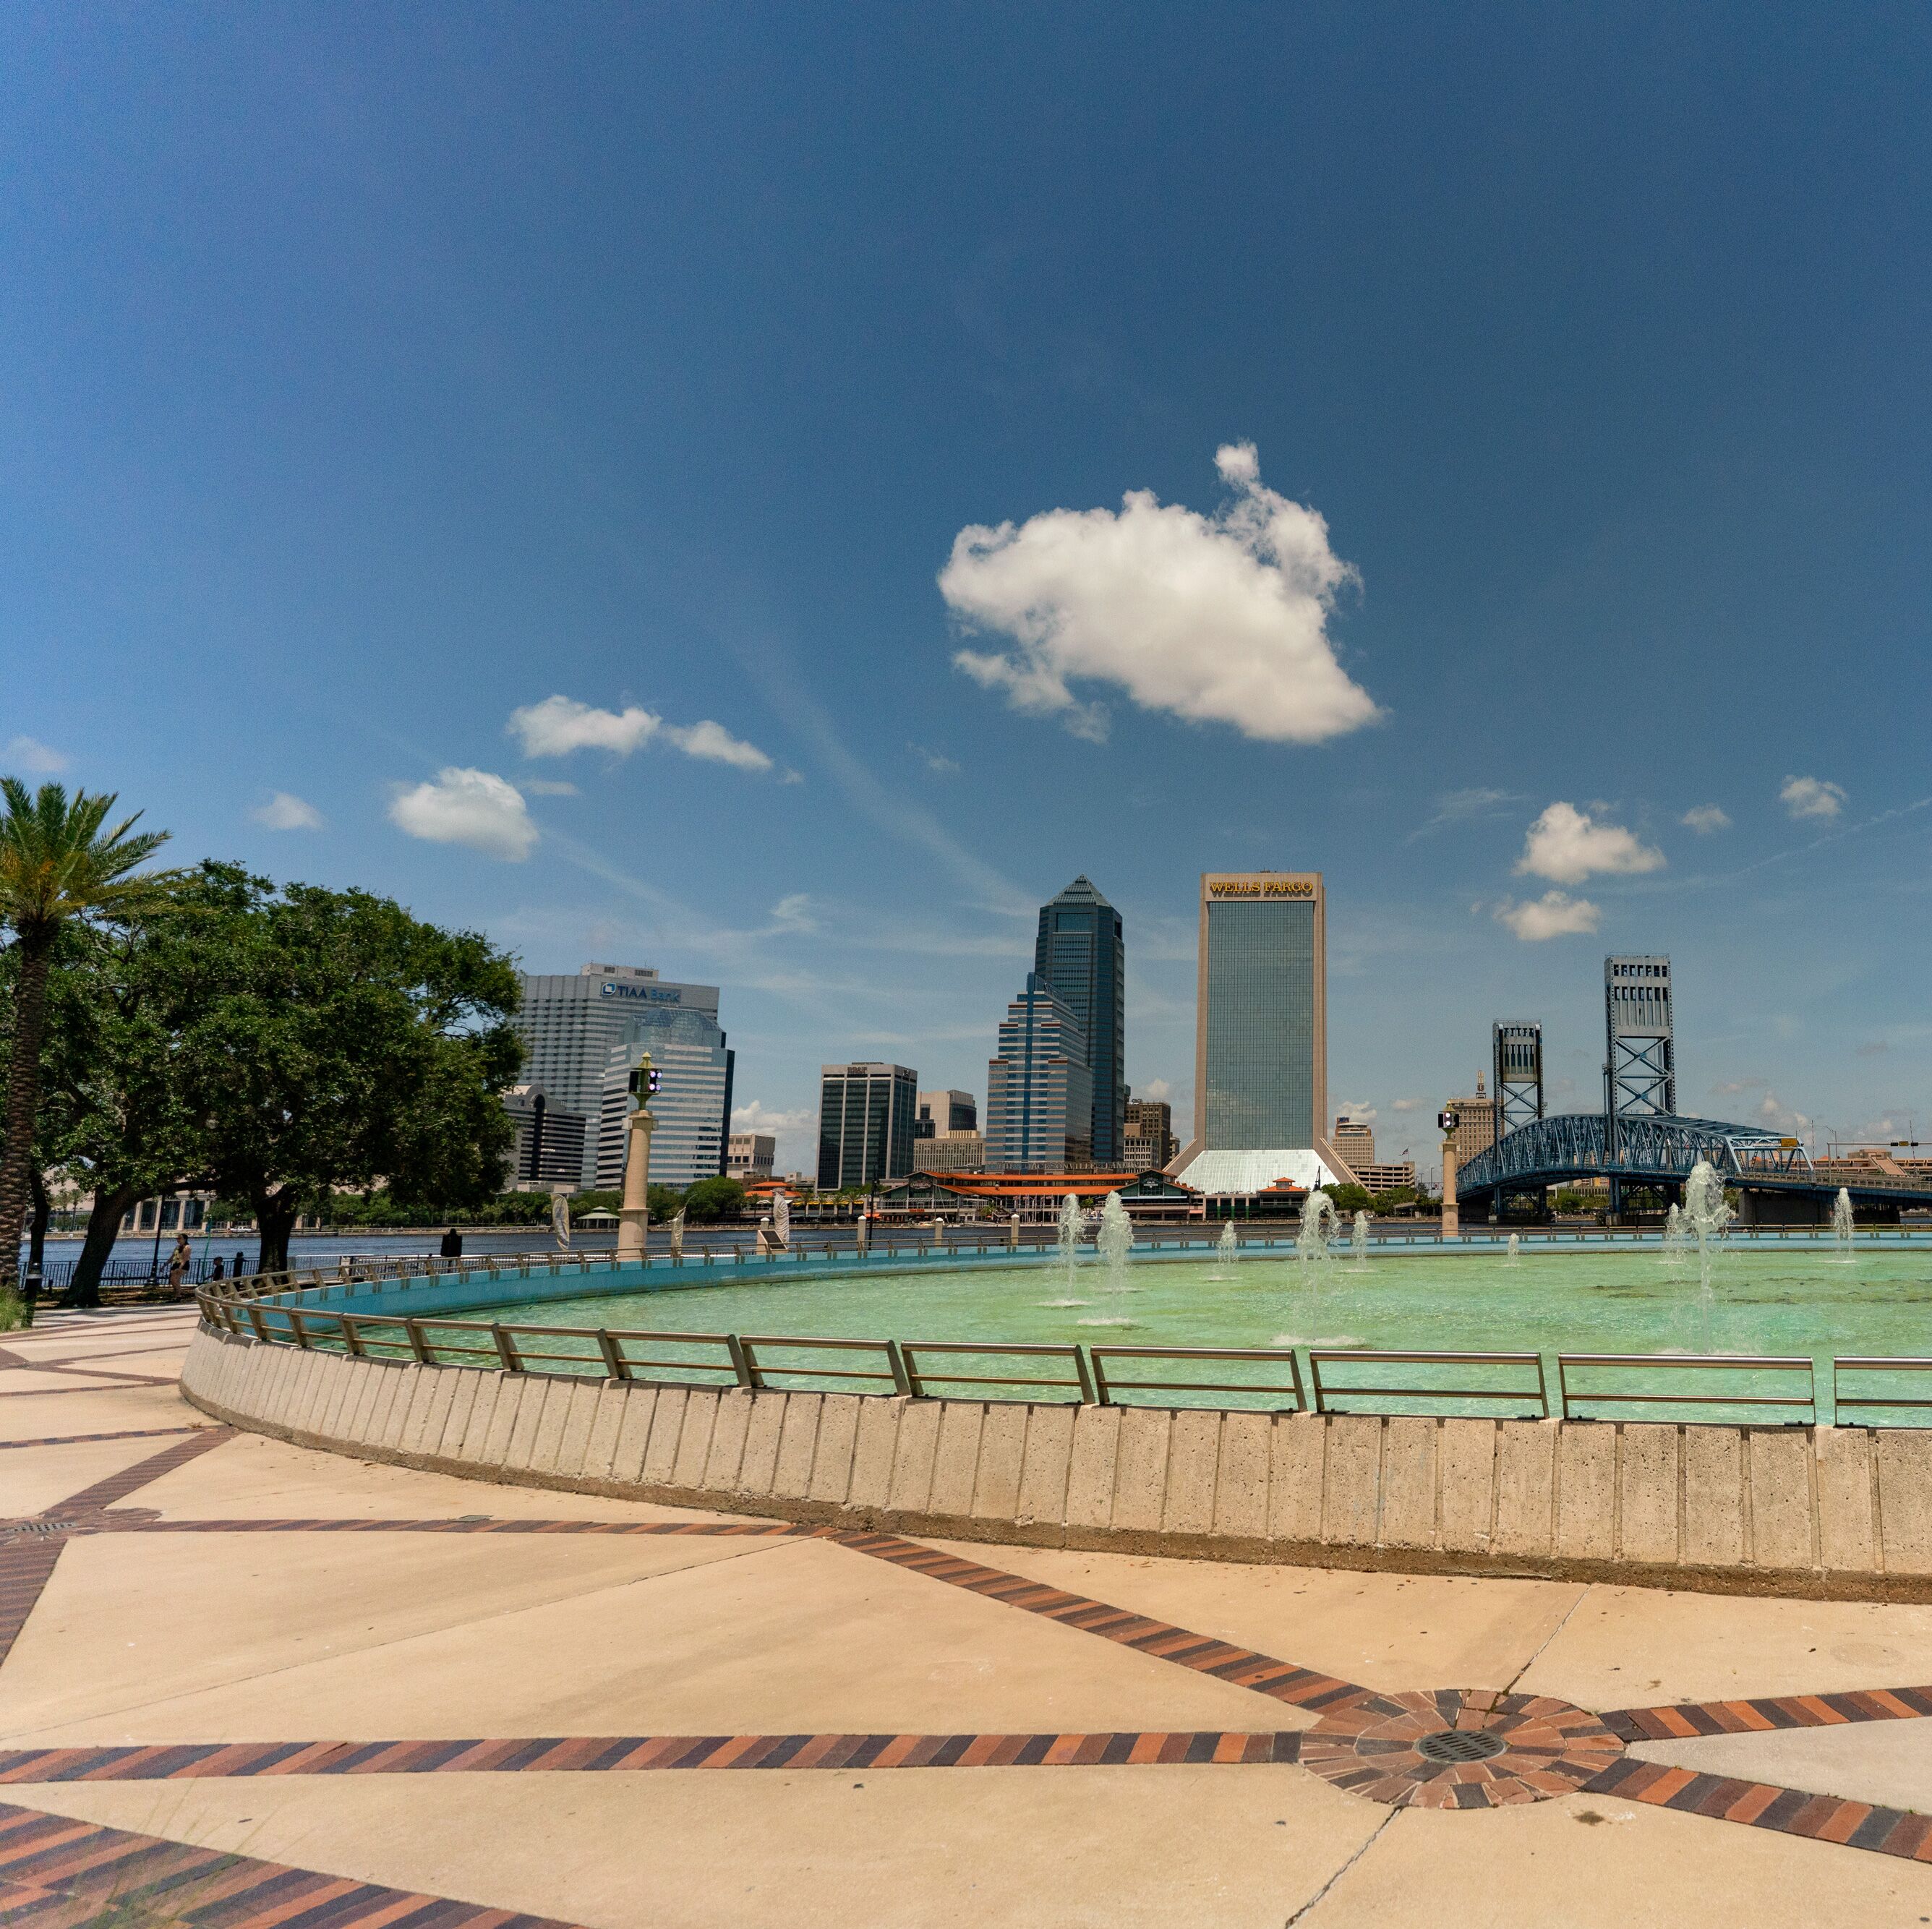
x: 57, y: 866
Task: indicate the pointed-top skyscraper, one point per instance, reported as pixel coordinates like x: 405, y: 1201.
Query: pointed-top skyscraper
x: 1080, y: 956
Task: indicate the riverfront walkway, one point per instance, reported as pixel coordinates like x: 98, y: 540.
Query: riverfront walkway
x: 243, y: 1682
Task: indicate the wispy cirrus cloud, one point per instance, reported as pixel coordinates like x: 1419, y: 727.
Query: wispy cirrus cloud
x: 31, y: 754
x: 1468, y: 806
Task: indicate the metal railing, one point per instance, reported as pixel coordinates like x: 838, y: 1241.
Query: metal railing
x: 288, y: 1309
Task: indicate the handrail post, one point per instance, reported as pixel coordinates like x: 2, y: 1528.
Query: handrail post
x: 255, y: 1320
x: 413, y: 1329
x: 1102, y: 1393
x: 1315, y: 1381
x: 506, y: 1350
x: 616, y: 1367
x: 744, y: 1363
x: 351, y: 1335
x: 1083, y: 1370
x: 299, y: 1327
x: 902, y: 1378
x: 1294, y: 1377
x: 1542, y: 1385
x: 915, y: 1386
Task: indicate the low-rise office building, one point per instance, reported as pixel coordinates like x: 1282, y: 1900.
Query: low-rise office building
x: 750, y: 1155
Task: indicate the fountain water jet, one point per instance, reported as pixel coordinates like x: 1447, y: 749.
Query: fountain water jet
x: 1843, y: 1226
x: 1071, y: 1226
x: 1358, y: 1239
x: 1515, y: 1249
x: 1228, y: 1246
x: 1706, y: 1213
x: 1116, y: 1236
x: 1675, y: 1239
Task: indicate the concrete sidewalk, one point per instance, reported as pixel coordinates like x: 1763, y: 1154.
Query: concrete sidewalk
x: 167, y: 1583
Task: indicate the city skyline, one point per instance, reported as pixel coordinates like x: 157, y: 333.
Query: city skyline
x: 799, y: 616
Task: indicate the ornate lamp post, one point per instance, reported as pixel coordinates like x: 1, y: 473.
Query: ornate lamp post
x: 633, y: 1216
x: 1452, y: 1217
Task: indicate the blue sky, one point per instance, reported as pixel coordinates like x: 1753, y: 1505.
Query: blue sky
x: 1530, y: 406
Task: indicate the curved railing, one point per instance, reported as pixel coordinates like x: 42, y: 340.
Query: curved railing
x: 289, y: 1308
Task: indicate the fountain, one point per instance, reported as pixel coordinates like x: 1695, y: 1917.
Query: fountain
x: 1706, y: 1213
x: 1071, y: 1226
x: 1675, y: 1238
x: 1358, y: 1239
x: 1515, y: 1249
x: 1116, y: 1236
x: 1228, y: 1246
x: 1317, y: 1225
x: 1843, y: 1226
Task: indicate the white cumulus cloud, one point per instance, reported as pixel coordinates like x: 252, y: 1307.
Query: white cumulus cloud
x: 468, y: 807
x: 1357, y: 1112
x: 1554, y: 914
x: 285, y: 811
x: 1705, y: 818
x: 560, y: 724
x: 1567, y: 845
x: 1220, y: 619
x: 715, y: 742
x: 28, y: 753
x: 1157, y: 1091
x: 1811, y: 797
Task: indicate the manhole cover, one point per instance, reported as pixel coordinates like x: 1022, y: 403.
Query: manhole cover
x: 1461, y: 1745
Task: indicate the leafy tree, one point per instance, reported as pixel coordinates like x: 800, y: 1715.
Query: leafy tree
x: 714, y: 1199
x: 664, y: 1201
x: 1349, y: 1198
x: 59, y: 868
x: 338, y: 1040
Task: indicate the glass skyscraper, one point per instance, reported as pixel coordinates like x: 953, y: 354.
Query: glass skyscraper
x: 866, y: 1118
x: 1080, y: 957
x: 1039, y: 1093
x: 1261, y: 1062
x: 692, y: 1105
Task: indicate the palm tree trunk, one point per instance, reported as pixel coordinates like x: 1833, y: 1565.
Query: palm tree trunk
x: 23, y: 1095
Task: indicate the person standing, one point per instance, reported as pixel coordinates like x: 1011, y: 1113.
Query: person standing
x: 452, y: 1244
x: 220, y: 1263
x: 179, y: 1261
x: 237, y: 1273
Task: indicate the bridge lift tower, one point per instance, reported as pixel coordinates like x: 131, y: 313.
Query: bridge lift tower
x: 1640, y: 1061
x: 1516, y: 1061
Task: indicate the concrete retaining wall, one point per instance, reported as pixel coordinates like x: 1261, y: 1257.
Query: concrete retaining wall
x: 1836, y: 1512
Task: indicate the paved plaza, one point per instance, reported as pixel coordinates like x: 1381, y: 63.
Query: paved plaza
x: 244, y: 1682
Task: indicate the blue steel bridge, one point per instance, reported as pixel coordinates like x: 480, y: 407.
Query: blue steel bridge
x: 1658, y: 1150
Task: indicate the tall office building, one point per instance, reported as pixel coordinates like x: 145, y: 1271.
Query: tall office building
x: 1080, y: 956
x: 944, y: 1111
x: 548, y: 1149
x: 692, y: 1104
x: 1260, y: 1040
x: 569, y: 1024
x: 866, y: 1118
x: 1149, y: 1141
x: 1475, y: 1123
x: 1354, y: 1138
x: 1040, y: 1092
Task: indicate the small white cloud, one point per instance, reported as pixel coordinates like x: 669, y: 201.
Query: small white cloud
x: 1567, y: 845
x: 28, y: 753
x: 1220, y: 619
x: 1408, y: 1104
x: 1357, y: 1112
x: 716, y: 744
x: 285, y: 811
x: 756, y: 1116
x: 1160, y: 1091
x: 468, y: 807
x: 1705, y: 818
x: 1465, y: 807
x: 1554, y: 914
x: 558, y: 725
x: 550, y: 787
x: 1811, y: 797
x: 793, y: 914
x: 940, y: 765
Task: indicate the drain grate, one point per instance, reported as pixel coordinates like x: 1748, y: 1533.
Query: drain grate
x: 41, y: 1527
x: 1462, y: 1745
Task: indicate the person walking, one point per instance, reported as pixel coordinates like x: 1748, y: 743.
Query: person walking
x: 179, y: 1261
